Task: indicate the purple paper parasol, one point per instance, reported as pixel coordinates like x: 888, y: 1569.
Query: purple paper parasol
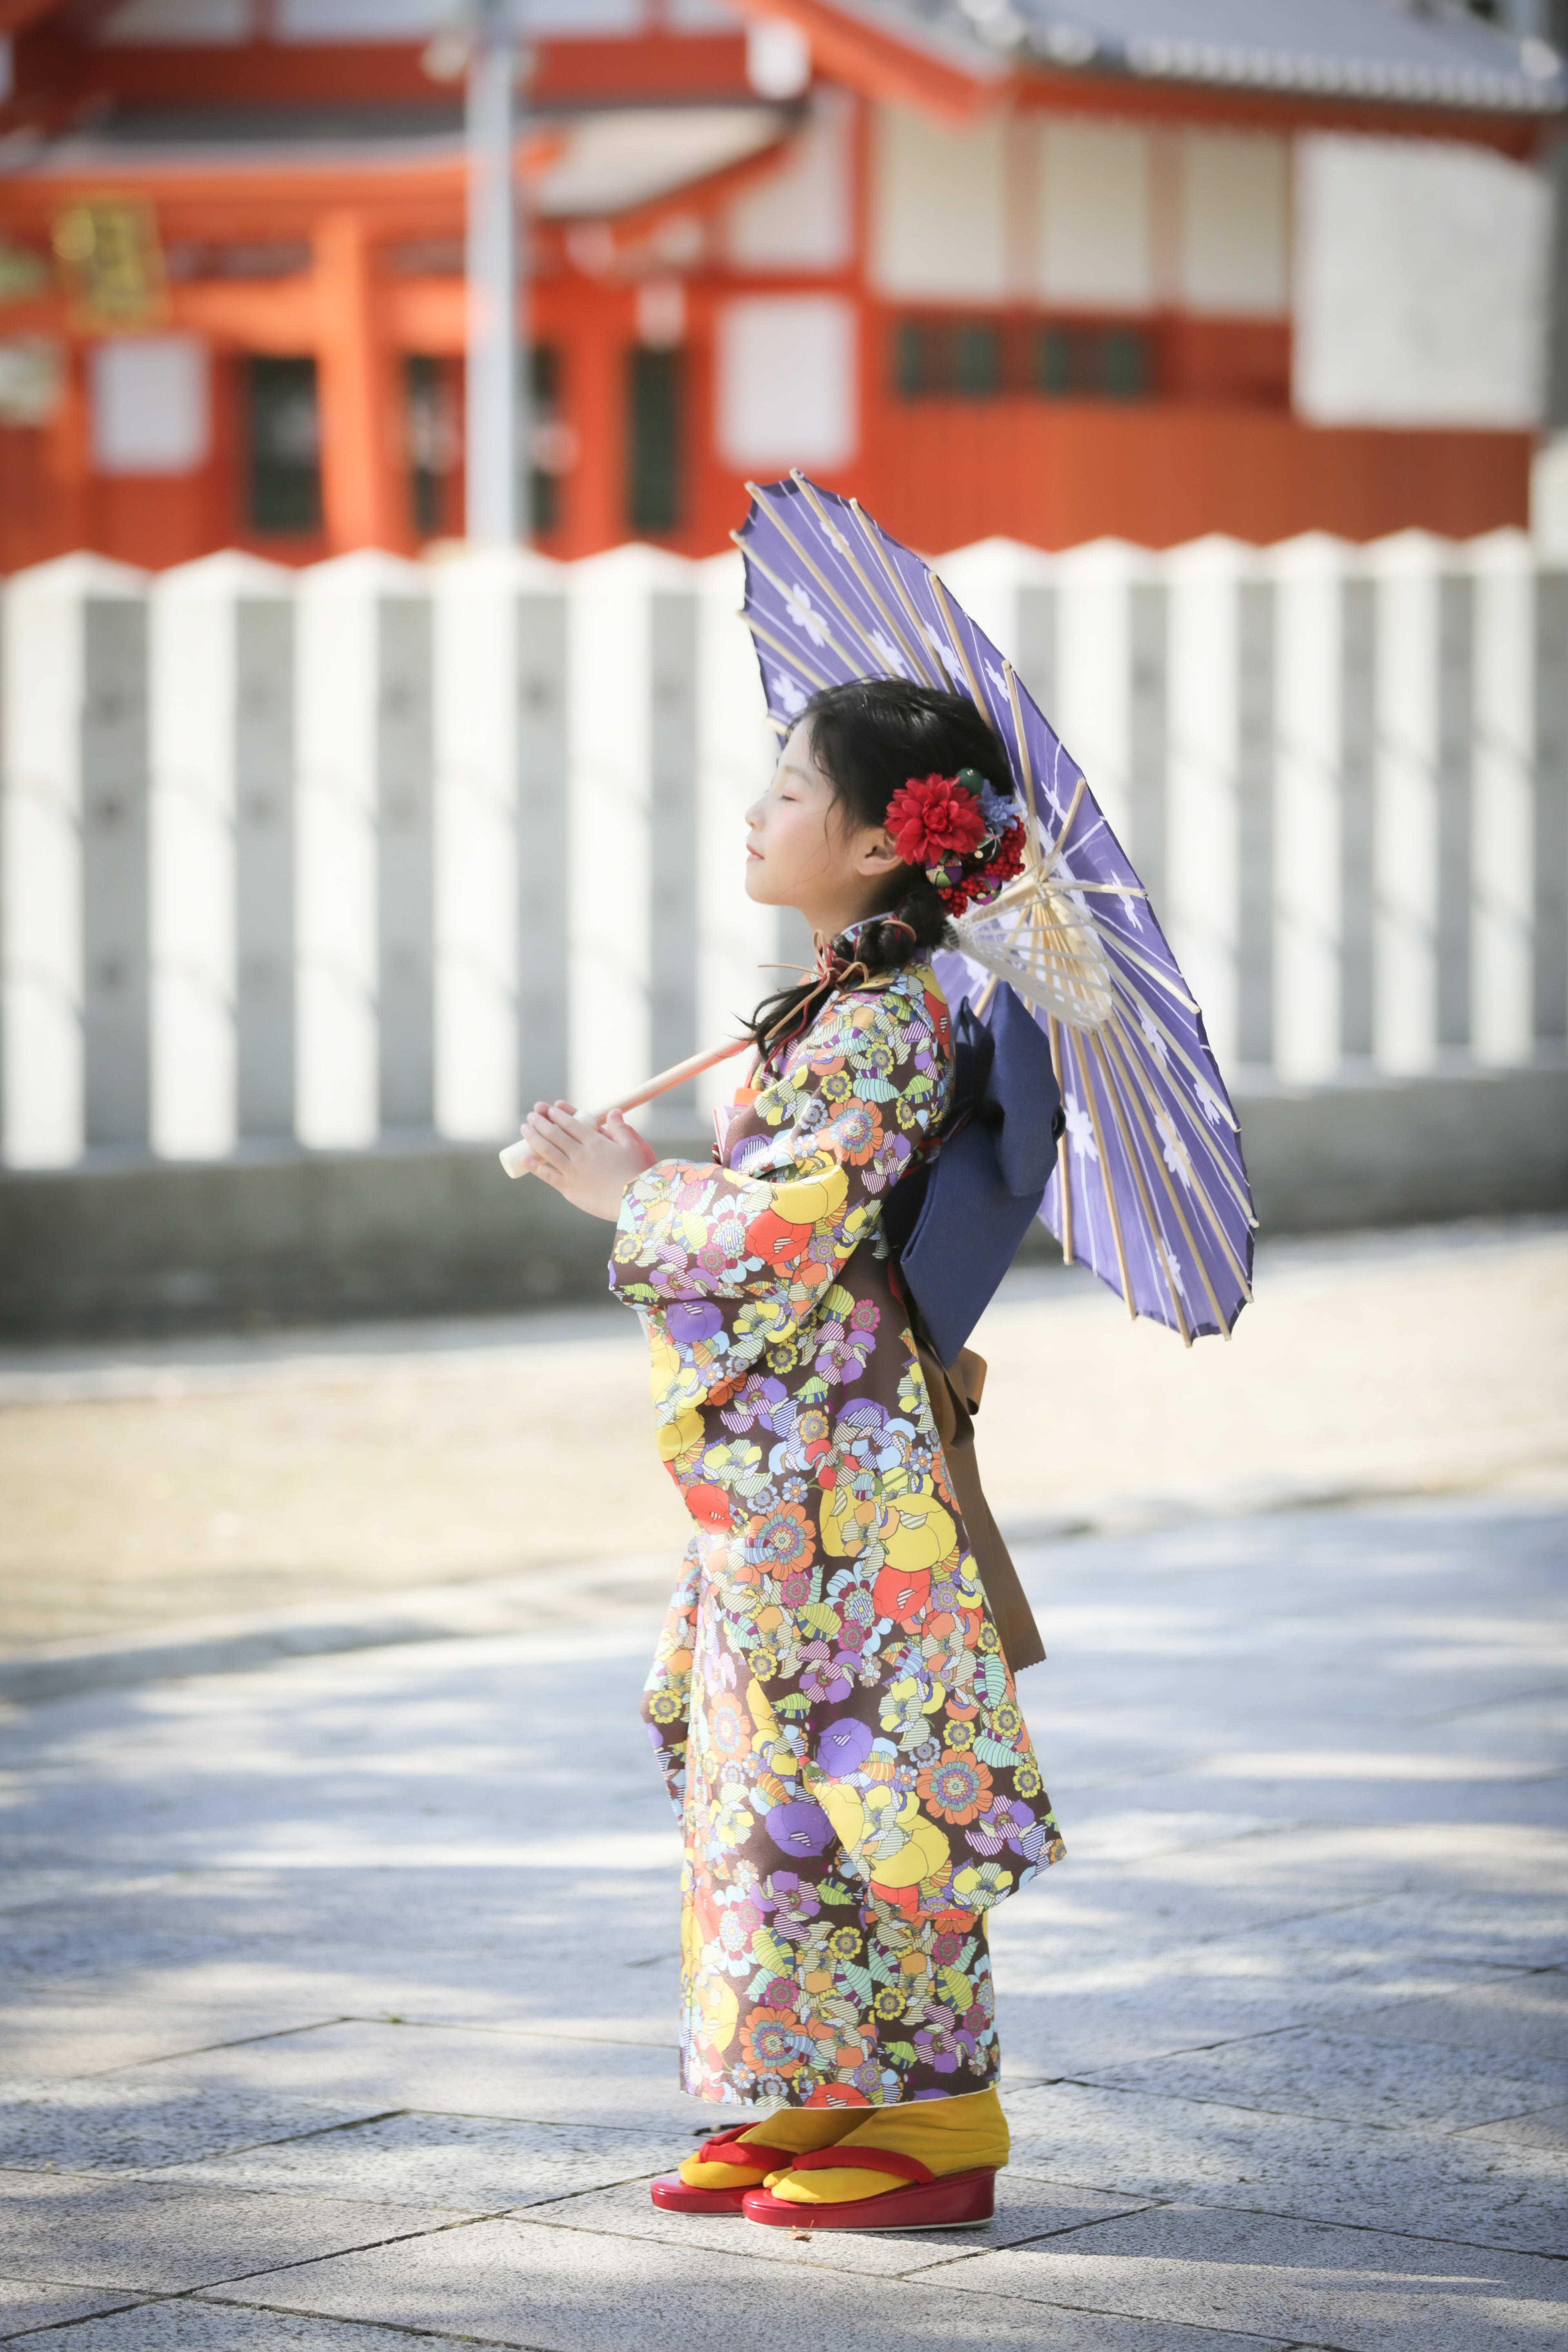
x: 1150, y: 1187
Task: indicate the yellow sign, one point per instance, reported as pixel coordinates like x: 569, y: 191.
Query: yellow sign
x: 111, y: 262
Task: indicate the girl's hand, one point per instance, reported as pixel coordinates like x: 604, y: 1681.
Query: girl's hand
x: 589, y: 1165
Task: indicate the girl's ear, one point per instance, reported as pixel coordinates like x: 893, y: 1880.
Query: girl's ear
x: 877, y: 853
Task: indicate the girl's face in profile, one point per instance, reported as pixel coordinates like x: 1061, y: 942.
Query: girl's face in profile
x: 802, y: 851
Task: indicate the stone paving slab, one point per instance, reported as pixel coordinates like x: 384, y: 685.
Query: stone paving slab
x: 1349, y: 2077
x: 365, y: 2066
x: 1028, y: 2208
x: 26, y: 2305
x: 461, y: 1935
x: 1371, y: 2289
x: 197, y: 2326
x: 1357, y: 1953
x: 111, y: 2126
x: 1525, y: 2014
x: 1162, y: 2146
x: 474, y: 2164
x: 1546, y: 2127
x: 531, y: 2284
x: 1075, y: 2031
x: 1287, y: 1788
x: 53, y: 2030
x: 1531, y: 1933
x: 156, y: 2236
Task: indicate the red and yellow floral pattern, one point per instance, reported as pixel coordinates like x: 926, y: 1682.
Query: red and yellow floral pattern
x: 841, y: 1734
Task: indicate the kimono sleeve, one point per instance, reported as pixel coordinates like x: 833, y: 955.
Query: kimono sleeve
x: 858, y: 1106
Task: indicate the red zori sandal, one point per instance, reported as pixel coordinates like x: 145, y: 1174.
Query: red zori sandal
x: 674, y: 2197
x: 964, y: 2201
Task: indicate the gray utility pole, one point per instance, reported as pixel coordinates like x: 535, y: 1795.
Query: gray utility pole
x: 496, y: 419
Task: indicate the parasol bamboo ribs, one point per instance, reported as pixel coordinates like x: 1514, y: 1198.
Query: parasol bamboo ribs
x: 1158, y: 1248
x: 788, y: 594
x: 1126, y: 1074
x: 921, y: 655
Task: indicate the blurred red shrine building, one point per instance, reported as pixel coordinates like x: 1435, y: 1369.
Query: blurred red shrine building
x: 1246, y: 265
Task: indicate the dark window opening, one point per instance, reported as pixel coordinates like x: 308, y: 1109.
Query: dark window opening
x: 551, y: 449
x: 1092, y: 363
x: 434, y: 424
x: 283, y: 452
x: 911, y: 345
x: 433, y: 410
x: 1124, y: 363
x: 977, y: 359
x: 1053, y: 363
x: 654, y: 405
x: 937, y: 356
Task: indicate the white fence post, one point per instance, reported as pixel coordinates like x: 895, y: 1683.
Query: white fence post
x: 1549, y: 910
x: 264, y: 857
x: 1010, y: 591
x: 1502, y: 807
x: 632, y: 857
x: 736, y: 748
x: 1308, y: 576
x: 1202, y: 914
x: 74, y: 855
x: 501, y: 794
x: 1408, y: 570
x: 213, y: 626
x: 361, y: 860
x: 1102, y: 597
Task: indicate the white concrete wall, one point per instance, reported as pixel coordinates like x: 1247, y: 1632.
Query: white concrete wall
x: 1420, y: 283
x: 1095, y: 234
x: 489, y: 812
x: 938, y: 209
x: 1234, y: 224
x: 1414, y: 270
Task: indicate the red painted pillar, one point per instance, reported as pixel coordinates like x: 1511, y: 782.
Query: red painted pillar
x: 364, y: 498
x: 596, y: 380
x: 68, y: 464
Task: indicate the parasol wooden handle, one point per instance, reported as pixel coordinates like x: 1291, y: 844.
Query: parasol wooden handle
x: 518, y: 1160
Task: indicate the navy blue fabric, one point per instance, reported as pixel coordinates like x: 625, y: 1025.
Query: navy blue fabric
x: 956, y: 1225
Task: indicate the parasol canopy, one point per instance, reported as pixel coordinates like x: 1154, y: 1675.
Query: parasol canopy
x: 1149, y: 1188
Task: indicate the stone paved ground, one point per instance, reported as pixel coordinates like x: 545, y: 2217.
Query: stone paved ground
x: 336, y: 1992
x: 339, y: 1994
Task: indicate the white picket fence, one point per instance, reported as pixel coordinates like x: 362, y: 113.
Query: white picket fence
x: 377, y: 848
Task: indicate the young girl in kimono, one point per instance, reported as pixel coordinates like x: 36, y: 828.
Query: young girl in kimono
x: 830, y: 1702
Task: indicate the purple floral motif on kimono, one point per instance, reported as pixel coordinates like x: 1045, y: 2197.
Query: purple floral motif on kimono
x: 840, y: 1731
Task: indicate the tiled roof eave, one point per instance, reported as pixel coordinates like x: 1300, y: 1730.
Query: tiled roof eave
x: 1455, y: 70
x: 1217, y: 69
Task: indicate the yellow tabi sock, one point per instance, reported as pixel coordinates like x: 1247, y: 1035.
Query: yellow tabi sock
x: 794, y: 2128
x: 968, y: 2133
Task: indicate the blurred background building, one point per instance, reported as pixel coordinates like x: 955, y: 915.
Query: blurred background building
x: 1211, y: 346
x: 1154, y: 267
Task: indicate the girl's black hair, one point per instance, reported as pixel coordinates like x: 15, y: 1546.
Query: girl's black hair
x: 869, y: 738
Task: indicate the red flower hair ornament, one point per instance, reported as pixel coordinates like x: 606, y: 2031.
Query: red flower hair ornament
x: 967, y: 840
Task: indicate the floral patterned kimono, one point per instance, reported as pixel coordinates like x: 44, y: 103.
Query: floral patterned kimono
x: 829, y: 1700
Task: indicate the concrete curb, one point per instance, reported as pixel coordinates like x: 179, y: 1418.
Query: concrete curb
x: 420, y: 1227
